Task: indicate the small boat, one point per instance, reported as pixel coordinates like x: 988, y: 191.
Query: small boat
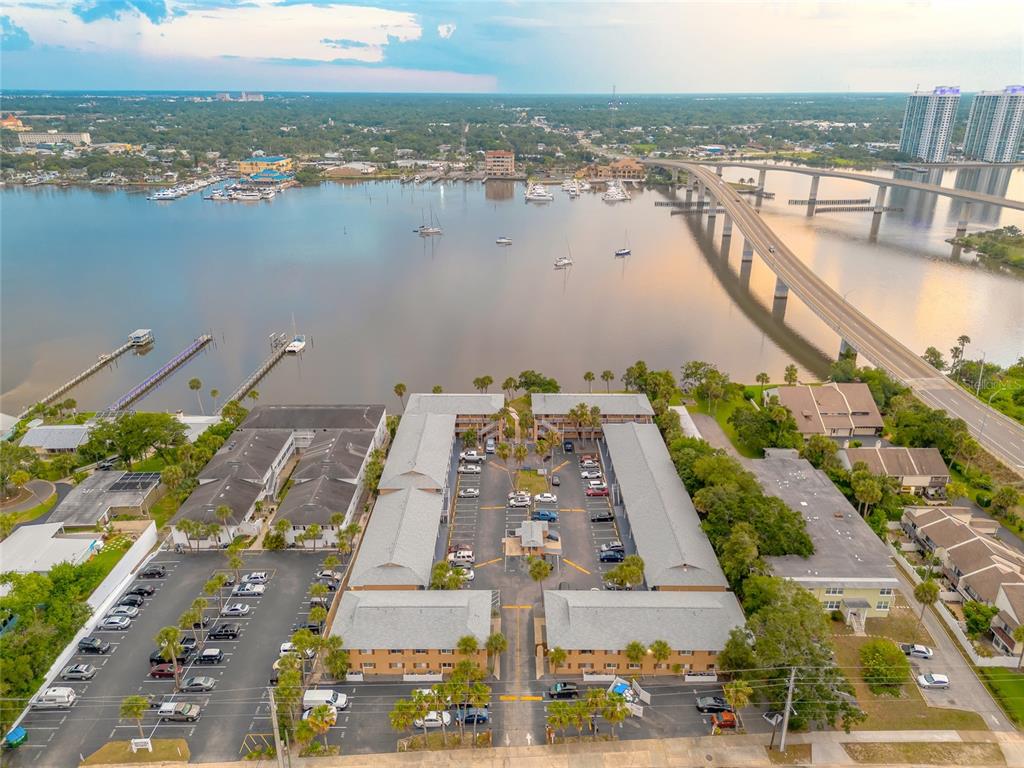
x: 504, y: 241
x: 538, y: 194
x: 622, y: 253
x: 296, y: 345
x: 563, y: 261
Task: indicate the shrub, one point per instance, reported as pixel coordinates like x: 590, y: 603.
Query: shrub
x: 984, y: 499
x: 884, y: 666
x: 836, y: 615
x: 274, y: 540
x: 978, y: 617
x: 752, y: 393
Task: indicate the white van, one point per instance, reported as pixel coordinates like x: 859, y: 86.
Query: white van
x: 461, y: 557
x: 490, y: 446
x: 320, y: 696
x: 55, y: 698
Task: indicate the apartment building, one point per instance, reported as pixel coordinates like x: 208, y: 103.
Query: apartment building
x: 551, y: 411
x: 928, y: 123
x: 834, y: 409
x: 918, y: 471
x: 499, y: 162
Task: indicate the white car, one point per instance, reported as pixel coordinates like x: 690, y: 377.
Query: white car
x: 260, y: 577
x: 472, y: 456
x: 469, y: 493
x: 589, y: 464
x: 433, y: 720
x: 469, y: 469
x: 597, y: 485
x: 115, y: 623
x: 288, y: 649
x: 519, y: 501
x: 248, y: 590
x: 235, y: 609
x: 124, y: 610
x: 930, y: 680
x: 917, y: 651
x: 328, y: 574
x: 468, y: 574
x: 546, y: 498
x: 591, y: 474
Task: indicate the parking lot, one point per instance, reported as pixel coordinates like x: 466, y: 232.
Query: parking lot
x: 235, y: 714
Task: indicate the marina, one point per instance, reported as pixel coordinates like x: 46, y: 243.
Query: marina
x: 183, y: 190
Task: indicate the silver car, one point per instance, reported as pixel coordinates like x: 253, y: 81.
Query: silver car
x: 115, y: 623
x: 235, y: 609
x: 199, y: 684
x: 124, y: 610
x: 78, y: 672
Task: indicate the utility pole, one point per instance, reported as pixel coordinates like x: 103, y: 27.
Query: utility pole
x: 789, y: 704
x: 277, y: 732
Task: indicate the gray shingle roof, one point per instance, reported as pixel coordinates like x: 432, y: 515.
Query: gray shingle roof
x: 455, y: 404
x: 896, y: 461
x: 398, y: 545
x: 202, y: 503
x: 420, y: 453
x: 314, y: 417
x: 408, y: 619
x: 247, y: 454
x: 686, y: 620
x: 337, y: 453
x: 56, y: 437
x: 665, y: 525
x: 626, y: 404
x: 315, y: 501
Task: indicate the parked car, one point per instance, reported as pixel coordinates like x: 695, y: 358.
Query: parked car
x: 224, y: 632
x: 142, y: 590
x: 248, y: 590
x: 290, y: 649
x: 604, y: 516
x: 258, y: 577
x: 188, y: 644
x: 491, y: 446
x: 327, y: 573
x: 312, y: 626
x: 210, y: 656
x: 462, y: 557
x: 124, y: 610
x: 723, y: 720
x: 469, y: 493
x: 331, y: 584
x: 180, y: 711
x: 133, y: 600
x: 614, y: 586
x: 323, y: 602
x: 556, y: 480
x: 469, y: 469
x: 58, y: 697
x: 615, y: 544
x: 564, y: 691
x: 93, y: 645
x: 331, y: 714
x: 115, y: 623
x: 433, y: 719
x: 706, y: 704
x: 153, y: 572
x: 546, y: 498
x: 468, y: 574
x: 472, y: 457
x: 567, y: 446
x: 157, y: 656
x: 590, y: 474
x: 597, y: 484
x: 78, y: 672
x: 165, y: 670
x: 235, y: 609
x: 602, y: 491
x: 589, y: 464
x: 547, y: 515
x: 471, y: 715
x: 612, y: 556
x: 198, y: 684
x: 519, y: 501
x: 932, y: 680
x: 916, y: 650
x: 106, y: 465
x: 203, y: 623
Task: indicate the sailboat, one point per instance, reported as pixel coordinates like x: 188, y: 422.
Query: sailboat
x: 622, y: 253
x: 563, y: 262
x: 429, y: 230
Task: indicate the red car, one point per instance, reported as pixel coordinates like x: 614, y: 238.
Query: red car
x: 723, y: 720
x: 597, y: 491
x: 163, y: 670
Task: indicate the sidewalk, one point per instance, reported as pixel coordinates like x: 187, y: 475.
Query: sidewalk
x: 733, y: 751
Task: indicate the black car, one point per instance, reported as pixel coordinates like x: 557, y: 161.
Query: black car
x: 203, y: 623
x: 310, y: 625
x: 567, y: 446
x: 133, y: 600
x: 210, y: 656
x: 564, y: 691
x: 604, y: 516
x: 224, y: 632
x: 471, y: 715
x: 612, y: 556
x: 153, y: 572
x: 93, y: 645
x: 706, y: 704
x: 157, y: 656
x: 106, y: 465
x: 613, y: 586
x: 142, y: 590
x: 331, y: 584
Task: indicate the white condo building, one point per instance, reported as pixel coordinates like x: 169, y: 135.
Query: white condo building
x: 995, y: 125
x: 928, y: 123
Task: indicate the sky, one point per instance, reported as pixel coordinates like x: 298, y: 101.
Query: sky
x: 510, y: 46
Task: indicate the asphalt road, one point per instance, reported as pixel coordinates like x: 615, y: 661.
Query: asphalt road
x: 998, y: 434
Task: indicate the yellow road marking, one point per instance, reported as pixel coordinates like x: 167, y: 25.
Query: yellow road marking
x: 488, y: 562
x: 559, y: 466
x: 516, y: 607
x: 579, y: 568
x: 490, y: 507
x: 531, y: 698
x: 508, y: 698
x: 571, y: 509
x: 499, y: 466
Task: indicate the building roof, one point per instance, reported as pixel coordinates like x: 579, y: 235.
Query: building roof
x: 895, y: 461
x: 39, y: 547
x: 420, y: 454
x: 337, y: 453
x: 819, y: 409
x: 239, y: 495
x: 398, y: 546
x: 265, y: 159
x: 7, y: 423
x: 247, y: 454
x: 664, y: 523
x: 90, y: 501
x: 986, y: 582
x: 407, y: 619
x: 455, y: 404
x: 56, y: 437
x: 629, y: 404
x: 980, y: 552
x: 846, y: 550
x: 602, y: 620
x: 304, y: 417
x: 1015, y: 598
x: 316, y: 501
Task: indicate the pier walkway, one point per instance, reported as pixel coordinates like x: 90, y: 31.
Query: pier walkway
x: 103, y: 362
x: 140, y: 389
x: 280, y: 346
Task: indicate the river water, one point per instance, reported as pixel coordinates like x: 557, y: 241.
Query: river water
x: 82, y: 268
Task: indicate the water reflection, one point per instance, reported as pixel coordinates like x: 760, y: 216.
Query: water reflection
x: 993, y: 181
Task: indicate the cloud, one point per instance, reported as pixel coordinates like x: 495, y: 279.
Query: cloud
x: 96, y: 10
x: 13, y: 37
x: 445, y: 31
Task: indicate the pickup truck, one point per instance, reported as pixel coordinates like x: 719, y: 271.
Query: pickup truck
x: 180, y: 712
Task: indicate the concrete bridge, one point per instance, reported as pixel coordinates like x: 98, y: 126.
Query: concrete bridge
x: 998, y: 434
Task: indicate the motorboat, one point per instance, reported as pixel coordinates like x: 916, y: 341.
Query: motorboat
x: 538, y: 193
x: 615, y: 193
x: 504, y: 241
x: 563, y: 261
x: 622, y: 253
x: 296, y: 345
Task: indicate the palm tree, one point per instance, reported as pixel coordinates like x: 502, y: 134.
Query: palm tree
x: 738, y: 693
x: 559, y: 716
x: 762, y: 379
x: 235, y: 561
x: 496, y: 645
x: 313, y: 534
x: 589, y: 378
x: 335, y: 657
x: 195, y: 385
x: 792, y: 375
x: 402, y: 715
x: 254, y: 395
x: 636, y: 651
x: 486, y: 381
x: 556, y: 658
x: 520, y: 452
x: 214, y: 588
x: 320, y: 720
x: 510, y: 386
x: 926, y: 593
x: 661, y: 650
x: 214, y: 394
x: 504, y: 450
x: 223, y: 513
x: 134, y: 708
x: 540, y: 569
x: 170, y: 648
x: 479, y: 697
x: 614, y: 710
x: 468, y: 645
x: 191, y: 619
x: 318, y: 615
x: 400, y: 390
x: 607, y: 377
x: 437, y: 389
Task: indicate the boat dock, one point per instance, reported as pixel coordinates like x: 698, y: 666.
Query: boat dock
x: 280, y: 343
x: 162, y: 373
x: 103, y: 361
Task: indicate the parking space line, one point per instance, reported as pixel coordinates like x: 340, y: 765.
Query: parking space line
x: 579, y: 568
x: 492, y: 508
x: 516, y: 607
x: 488, y: 562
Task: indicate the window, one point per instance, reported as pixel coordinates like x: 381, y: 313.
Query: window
x: 833, y: 590
x: 634, y: 666
x: 420, y: 665
x: 447, y: 665
x: 882, y: 605
x: 585, y: 650
x: 685, y: 653
x: 885, y: 591
x: 366, y: 651
x: 586, y: 665
x: 369, y: 665
x: 832, y: 605
x: 396, y: 665
x: 447, y: 651
x: 419, y: 650
x: 661, y: 666
x: 395, y: 653
x: 611, y: 665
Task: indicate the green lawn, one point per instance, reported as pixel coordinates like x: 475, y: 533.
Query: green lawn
x: 31, y: 514
x: 164, y: 750
x: 529, y: 481
x: 164, y: 510
x: 723, y: 410
x: 152, y: 464
x: 1007, y: 685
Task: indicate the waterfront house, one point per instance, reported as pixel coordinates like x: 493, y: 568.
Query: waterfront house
x: 918, y: 471
x: 834, y: 409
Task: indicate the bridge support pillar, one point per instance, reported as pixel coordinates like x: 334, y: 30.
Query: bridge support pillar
x: 712, y: 208
x: 675, y: 175
x: 812, y: 198
x: 846, y: 350
x: 781, y: 289
x: 718, y: 170
x: 726, y: 226
x: 689, y: 195
x: 745, y: 267
x: 880, y: 200
x: 748, y: 252
x: 965, y: 215
x: 760, y: 179
x: 700, y: 198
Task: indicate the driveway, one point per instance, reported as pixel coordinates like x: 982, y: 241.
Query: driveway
x: 39, y: 490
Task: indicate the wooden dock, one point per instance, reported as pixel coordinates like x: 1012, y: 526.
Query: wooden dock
x: 100, y: 364
x: 280, y: 345
x: 140, y: 389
